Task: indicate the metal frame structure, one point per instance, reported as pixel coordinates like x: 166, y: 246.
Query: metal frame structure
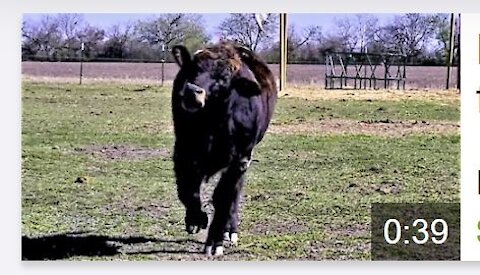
x: 356, y: 70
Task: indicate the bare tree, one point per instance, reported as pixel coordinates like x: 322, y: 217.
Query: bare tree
x: 333, y: 43
x: 118, y: 39
x: 357, y: 32
x: 52, y: 37
x: 170, y: 29
x: 299, y: 43
x: 310, y: 34
x: 45, y: 36
x: 30, y: 43
x: 69, y: 25
x: 442, y: 36
x: 243, y: 28
x: 409, y: 34
x: 443, y: 31
x: 92, y: 37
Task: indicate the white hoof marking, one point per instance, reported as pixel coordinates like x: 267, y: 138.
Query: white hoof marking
x: 226, y: 236
x: 234, y: 238
x: 245, y: 163
x: 218, y: 251
x: 208, y: 250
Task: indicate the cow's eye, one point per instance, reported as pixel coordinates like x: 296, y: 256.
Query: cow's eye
x: 216, y: 87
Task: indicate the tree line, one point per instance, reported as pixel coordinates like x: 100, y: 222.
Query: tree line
x: 423, y: 38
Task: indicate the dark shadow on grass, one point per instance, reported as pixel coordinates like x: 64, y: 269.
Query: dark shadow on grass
x: 66, y: 245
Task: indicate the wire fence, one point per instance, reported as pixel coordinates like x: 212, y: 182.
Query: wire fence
x: 417, y: 77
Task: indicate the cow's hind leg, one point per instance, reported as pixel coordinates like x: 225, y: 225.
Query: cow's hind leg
x: 226, y: 192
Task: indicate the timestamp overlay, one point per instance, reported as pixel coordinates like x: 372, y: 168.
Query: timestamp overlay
x: 470, y: 137
x: 440, y: 231
x: 415, y: 231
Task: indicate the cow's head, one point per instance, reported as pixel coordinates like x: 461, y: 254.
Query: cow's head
x: 212, y: 74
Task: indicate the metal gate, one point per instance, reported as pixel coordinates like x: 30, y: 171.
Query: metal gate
x: 354, y: 70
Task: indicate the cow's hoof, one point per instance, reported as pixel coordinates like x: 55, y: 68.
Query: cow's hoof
x: 244, y: 163
x: 234, y: 238
x: 210, y: 250
x: 226, y: 236
x: 193, y: 229
x: 194, y: 223
x: 230, y: 237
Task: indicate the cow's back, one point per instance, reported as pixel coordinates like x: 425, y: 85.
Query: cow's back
x: 268, y: 86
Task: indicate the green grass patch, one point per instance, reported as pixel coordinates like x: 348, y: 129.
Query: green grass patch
x: 306, y: 197
x: 295, y: 110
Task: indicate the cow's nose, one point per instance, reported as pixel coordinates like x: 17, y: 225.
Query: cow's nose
x: 195, y: 88
x: 194, y: 97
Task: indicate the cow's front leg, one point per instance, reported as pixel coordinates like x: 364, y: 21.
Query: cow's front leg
x: 188, y: 188
x: 225, y: 193
x: 230, y: 233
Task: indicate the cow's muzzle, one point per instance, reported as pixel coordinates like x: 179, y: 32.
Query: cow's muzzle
x: 193, y: 98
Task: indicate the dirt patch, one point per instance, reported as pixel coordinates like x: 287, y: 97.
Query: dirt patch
x: 384, y: 188
x: 346, y: 127
x: 340, y: 243
x: 278, y: 226
x: 127, y: 208
x: 377, y: 128
x: 124, y: 152
x: 155, y: 128
x: 352, y: 230
x: 338, y: 251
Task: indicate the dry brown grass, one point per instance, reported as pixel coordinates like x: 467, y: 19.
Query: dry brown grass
x: 345, y: 127
x: 313, y: 93
x: 307, y: 91
x: 350, y: 127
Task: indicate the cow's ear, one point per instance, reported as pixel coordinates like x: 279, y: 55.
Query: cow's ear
x: 181, y: 55
x: 246, y: 86
x: 245, y: 81
x: 245, y: 53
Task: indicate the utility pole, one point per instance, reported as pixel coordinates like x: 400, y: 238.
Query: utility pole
x: 283, y: 51
x: 81, y: 62
x: 163, y: 63
x: 451, y: 47
x: 458, y: 52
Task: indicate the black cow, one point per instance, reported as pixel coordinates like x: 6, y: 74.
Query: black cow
x: 222, y: 102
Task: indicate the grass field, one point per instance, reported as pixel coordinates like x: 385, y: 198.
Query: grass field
x: 97, y: 179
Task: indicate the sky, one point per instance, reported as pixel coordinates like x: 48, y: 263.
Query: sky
x: 212, y: 20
